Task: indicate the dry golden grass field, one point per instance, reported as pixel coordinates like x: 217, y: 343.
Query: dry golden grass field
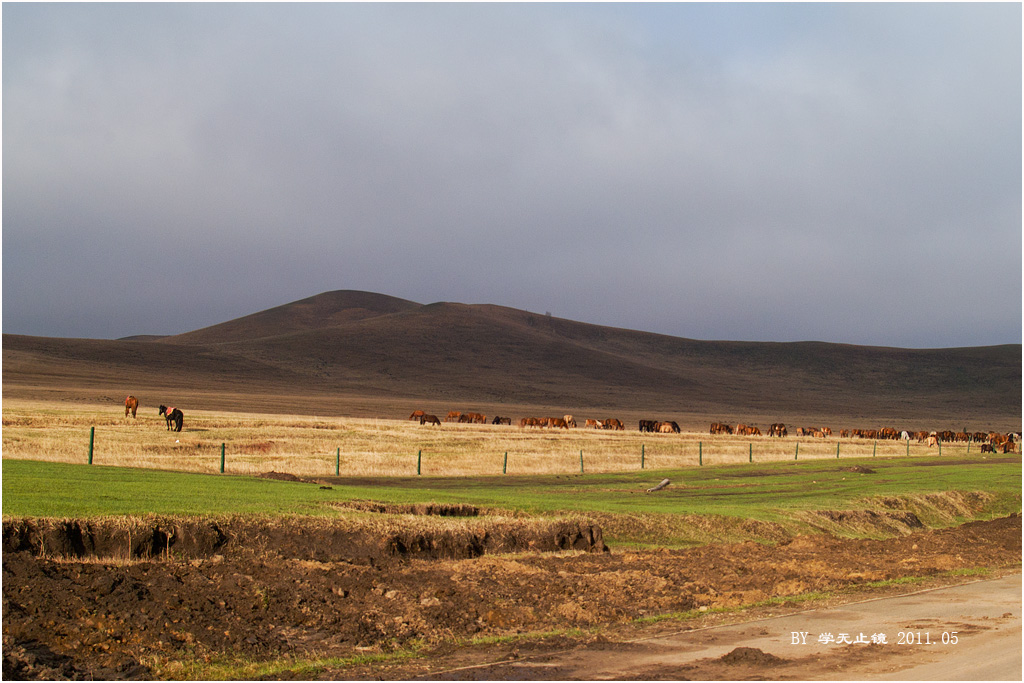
x: 357, y: 446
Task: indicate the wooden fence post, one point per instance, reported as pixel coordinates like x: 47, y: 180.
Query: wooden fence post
x: 419, y: 461
x: 92, y: 440
x: 222, y: 447
x: 337, y: 462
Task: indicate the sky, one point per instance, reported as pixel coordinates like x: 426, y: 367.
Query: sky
x: 765, y: 172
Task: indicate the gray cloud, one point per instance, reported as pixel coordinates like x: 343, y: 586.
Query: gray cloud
x: 773, y: 172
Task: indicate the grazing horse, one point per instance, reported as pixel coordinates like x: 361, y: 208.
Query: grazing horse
x: 416, y: 414
x: 174, y: 418
x: 131, y: 404
x: 429, y: 420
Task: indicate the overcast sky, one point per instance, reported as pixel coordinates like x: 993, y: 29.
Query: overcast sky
x: 837, y: 172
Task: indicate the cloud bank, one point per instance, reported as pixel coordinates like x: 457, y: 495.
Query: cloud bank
x: 846, y: 173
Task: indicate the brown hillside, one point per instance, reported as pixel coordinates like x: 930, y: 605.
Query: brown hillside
x: 316, y: 312
x: 397, y: 352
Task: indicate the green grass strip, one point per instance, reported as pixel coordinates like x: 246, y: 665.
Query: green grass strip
x: 766, y: 492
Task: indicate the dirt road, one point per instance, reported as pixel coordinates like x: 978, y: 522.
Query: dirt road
x: 965, y: 632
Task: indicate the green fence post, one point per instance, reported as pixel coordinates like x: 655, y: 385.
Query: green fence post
x: 874, y: 450
x: 837, y: 450
x: 222, y: 445
x: 581, y: 462
x: 337, y: 462
x: 796, y: 456
x: 940, y: 447
x: 908, y: 449
x: 419, y: 461
x: 751, y: 454
x: 700, y: 452
x: 92, y: 440
x: 504, y: 465
x: 642, y: 454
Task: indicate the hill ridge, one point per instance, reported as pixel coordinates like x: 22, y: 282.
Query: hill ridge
x: 361, y: 343
x: 321, y: 310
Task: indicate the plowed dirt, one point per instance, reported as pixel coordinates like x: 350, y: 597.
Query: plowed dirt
x: 80, y: 617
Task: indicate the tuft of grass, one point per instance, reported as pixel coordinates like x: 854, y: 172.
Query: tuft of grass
x: 768, y: 602
x: 243, y: 669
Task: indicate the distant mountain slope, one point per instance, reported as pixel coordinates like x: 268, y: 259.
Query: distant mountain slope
x: 359, y: 343
x: 316, y: 312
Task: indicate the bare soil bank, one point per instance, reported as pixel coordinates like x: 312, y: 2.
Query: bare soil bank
x: 335, y: 540
x: 85, y: 618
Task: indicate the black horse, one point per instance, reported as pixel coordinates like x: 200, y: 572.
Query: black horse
x: 174, y: 418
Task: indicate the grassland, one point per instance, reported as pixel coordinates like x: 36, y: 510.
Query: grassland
x: 360, y: 447
x: 140, y: 468
x: 695, y: 508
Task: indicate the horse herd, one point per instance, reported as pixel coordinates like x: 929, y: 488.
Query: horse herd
x: 564, y: 422
x: 990, y: 440
x: 175, y: 418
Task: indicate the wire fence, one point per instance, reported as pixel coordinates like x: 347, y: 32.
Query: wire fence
x: 561, y: 453
x: 323, y: 447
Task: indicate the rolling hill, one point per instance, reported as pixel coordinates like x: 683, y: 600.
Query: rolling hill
x: 343, y: 349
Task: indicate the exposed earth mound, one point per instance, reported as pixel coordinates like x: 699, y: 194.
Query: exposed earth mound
x: 295, y: 593
x: 356, y: 541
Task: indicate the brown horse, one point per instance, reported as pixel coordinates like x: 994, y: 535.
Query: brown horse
x: 430, y: 420
x: 131, y: 404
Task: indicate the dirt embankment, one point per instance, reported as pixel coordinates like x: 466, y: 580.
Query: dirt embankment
x: 357, y: 541
x: 279, y: 590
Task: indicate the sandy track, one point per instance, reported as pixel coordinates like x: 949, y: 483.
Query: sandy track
x: 966, y: 632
